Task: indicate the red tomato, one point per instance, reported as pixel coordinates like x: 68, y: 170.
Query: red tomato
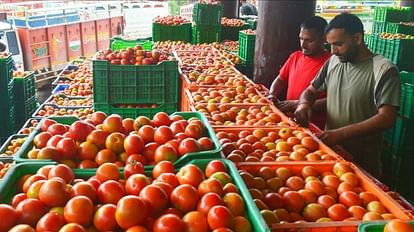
x: 41, y: 139
x: 110, y: 192
x: 86, y: 189
x: 46, y: 122
x: 107, y: 171
x: 98, y: 137
x: 208, y: 201
x: 174, y: 211
x: 113, y: 123
x: 349, y: 198
x: 169, y: 223
x: 162, y: 167
x: 30, y: 211
x: 137, y: 229
x: 115, y: 142
x: 188, y: 145
x: 185, y: 198
x: 79, y: 130
x: 134, y: 144
x: 98, y: 117
x: 87, y: 151
x: 210, y: 185
x: 196, y: 222
x: 57, y: 129
x: 165, y: 152
x: 87, y: 164
x: 62, y: 171
x: 205, y: 143
x: 398, y: 225
x: 72, y: 227
x: 156, y: 197
x: 147, y: 133
x: 190, y: 174
x: 104, y: 218
x: 166, y: 187
x: 50, y: 222
x: 47, y: 153
x: 220, y: 216
x: 163, y: 134
x: 22, y: 228
x: 177, y: 127
x: 338, y: 212
x: 79, y: 210
x: 67, y: 148
x: 54, y: 192
x: 141, y: 121
x: 33, y: 191
x: 149, y: 151
x: 17, y: 199
x: 131, y: 211
x: 193, y: 130
x: 215, y: 166
x: 135, y: 183
x: 133, y: 167
x: 161, y: 119
x: 169, y: 178
x: 8, y: 217
x: 105, y: 156
x: 128, y: 124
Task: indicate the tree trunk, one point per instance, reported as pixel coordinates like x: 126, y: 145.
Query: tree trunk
x: 277, y: 35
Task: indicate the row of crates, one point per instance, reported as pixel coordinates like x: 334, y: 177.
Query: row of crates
x: 7, y: 110
x: 393, y: 28
x: 393, y: 14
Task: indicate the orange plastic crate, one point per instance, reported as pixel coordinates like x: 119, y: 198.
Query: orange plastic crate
x: 345, y: 226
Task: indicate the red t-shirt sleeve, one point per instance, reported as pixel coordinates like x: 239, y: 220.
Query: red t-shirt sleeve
x: 284, y: 71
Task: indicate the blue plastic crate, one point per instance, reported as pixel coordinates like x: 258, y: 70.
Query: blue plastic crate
x: 59, y: 88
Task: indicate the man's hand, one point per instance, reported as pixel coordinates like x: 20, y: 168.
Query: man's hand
x: 332, y: 137
x: 303, y: 114
x: 272, y: 99
x: 288, y: 105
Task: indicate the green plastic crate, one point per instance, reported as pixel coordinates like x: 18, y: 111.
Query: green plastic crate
x: 175, y: 33
x: 374, y: 226
x: 207, y: 14
x: 205, y: 34
x: 403, y: 135
x: 24, y: 110
x: 130, y: 84
x: 8, y: 185
x: 118, y: 44
x: 393, y: 14
x: 232, y: 33
x: 7, y: 96
x: 407, y: 95
x: 24, y: 87
x: 41, y: 107
x: 247, y: 44
x: 8, y: 122
x: 21, y: 155
x: 378, y: 27
x: 252, y: 23
x: 6, y: 72
x: 135, y: 112
x: 395, y: 28
x: 246, y: 69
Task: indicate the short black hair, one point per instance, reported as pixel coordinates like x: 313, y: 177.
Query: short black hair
x: 349, y: 22
x: 316, y: 23
x: 2, y: 47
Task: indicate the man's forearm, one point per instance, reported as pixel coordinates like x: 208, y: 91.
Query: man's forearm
x: 320, y: 105
x: 308, y: 97
x: 277, y: 86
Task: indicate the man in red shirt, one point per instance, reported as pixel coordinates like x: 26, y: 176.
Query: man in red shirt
x: 300, y: 69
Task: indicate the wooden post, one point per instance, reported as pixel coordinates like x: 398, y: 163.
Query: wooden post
x: 277, y: 35
x: 230, y: 8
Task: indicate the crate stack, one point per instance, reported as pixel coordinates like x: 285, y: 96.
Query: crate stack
x: 393, y: 36
x: 24, y: 96
x: 398, y: 153
x: 247, y: 45
x: 7, y: 108
x: 164, y: 32
x: 206, y: 23
x: 230, y: 28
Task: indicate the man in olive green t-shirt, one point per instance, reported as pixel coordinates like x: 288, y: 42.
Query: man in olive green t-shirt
x: 363, y: 94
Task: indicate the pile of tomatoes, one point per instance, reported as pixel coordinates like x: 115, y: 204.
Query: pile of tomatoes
x: 190, y: 200
x: 112, y: 139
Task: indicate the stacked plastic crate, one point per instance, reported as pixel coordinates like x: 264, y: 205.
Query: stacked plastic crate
x: 24, y: 96
x: 174, y: 28
x: 247, y: 45
x: 7, y: 109
x: 206, y: 23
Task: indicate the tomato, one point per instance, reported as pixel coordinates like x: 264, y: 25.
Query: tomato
x: 17, y: 199
x: 206, y: 143
x: 62, y: 171
x: 326, y: 201
x: 168, y: 178
x: 98, y: 117
x: 79, y: 130
x: 222, y: 229
x: 57, y: 129
x: 161, y: 119
x: 110, y: 192
x: 149, y: 151
x: 105, y: 156
x: 22, y: 228
x: 8, y: 217
x: 87, y: 164
x: 135, y: 183
x: 137, y: 229
x: 128, y: 124
x: 50, y: 222
x: 79, y: 210
x: 30, y: 211
x: 338, y: 212
x: 47, y: 153
x: 130, y: 211
x: 107, y: 171
x: 273, y: 201
x: 87, y: 151
x: 295, y: 183
x: 173, y: 143
x: 165, y: 152
x: 163, y: 134
x: 208, y: 201
x: 174, y: 211
x: 104, y: 218
x: 166, y: 187
x: 223, y: 177
x: 141, y: 121
x: 30, y: 180
x: 41, y: 139
x: 293, y: 201
x: 72, y: 227
x: 188, y: 145
x: 177, y: 127
x: 133, y: 167
x: 134, y: 144
x: 190, y: 174
x: 162, y: 167
x: 349, y: 198
x: 194, y: 130
x: 357, y: 211
x: 367, y: 197
x: 98, y: 137
x: 398, y: 225
x: 169, y: 223
x: 46, y: 122
x: 242, y: 224
x: 67, y: 148
x: 113, y: 123
x: 54, y: 192
x: 115, y: 142
x: 195, y: 222
x: 33, y: 191
x: 185, y: 198
x: 215, y: 166
x: 313, y: 211
x: 210, y: 185
x: 147, y: 133
x: 156, y: 197
x: 86, y: 189
x: 235, y: 203
x: 220, y: 216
